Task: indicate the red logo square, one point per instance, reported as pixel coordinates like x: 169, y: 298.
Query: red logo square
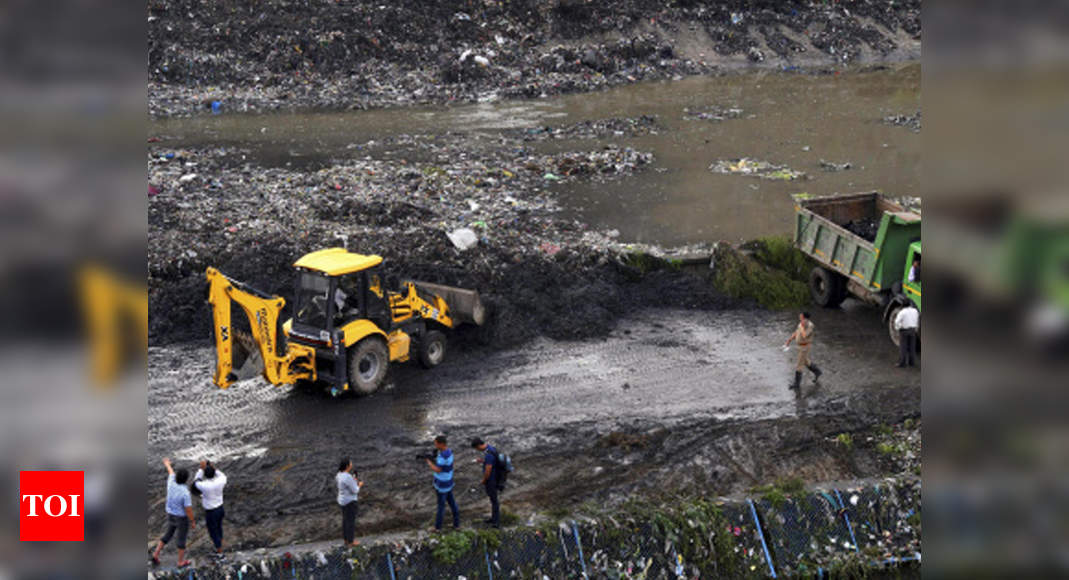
x: 51, y: 506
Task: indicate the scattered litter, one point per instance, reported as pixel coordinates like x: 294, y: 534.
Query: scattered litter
x: 831, y: 166
x: 912, y: 122
x: 463, y: 238
x: 755, y: 168
x: 711, y: 113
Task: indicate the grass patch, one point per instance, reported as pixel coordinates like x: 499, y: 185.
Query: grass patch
x: 741, y: 276
x: 645, y: 263
x: 779, y: 492
x: 846, y: 440
x: 778, y: 252
x: 887, y: 449
x: 453, y: 546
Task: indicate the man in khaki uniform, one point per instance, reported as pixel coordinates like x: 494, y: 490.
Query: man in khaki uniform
x: 804, y: 336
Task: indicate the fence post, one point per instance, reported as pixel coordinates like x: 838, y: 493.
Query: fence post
x: 761, y: 534
x: 489, y: 569
x: 846, y: 517
x: 389, y: 563
x: 579, y: 545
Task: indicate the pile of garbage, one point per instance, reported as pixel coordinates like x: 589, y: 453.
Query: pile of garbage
x: 235, y: 56
x: 472, y: 214
x: 756, y: 168
x: 865, y: 227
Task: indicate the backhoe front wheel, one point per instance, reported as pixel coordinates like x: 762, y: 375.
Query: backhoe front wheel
x: 432, y: 349
x: 368, y: 361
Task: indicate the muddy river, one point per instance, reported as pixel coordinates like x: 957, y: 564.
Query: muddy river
x: 788, y: 119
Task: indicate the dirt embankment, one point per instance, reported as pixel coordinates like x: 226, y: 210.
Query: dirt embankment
x: 359, y: 53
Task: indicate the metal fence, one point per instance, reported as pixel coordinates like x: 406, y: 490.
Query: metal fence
x: 819, y: 534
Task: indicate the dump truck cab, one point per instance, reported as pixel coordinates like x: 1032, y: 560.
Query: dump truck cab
x: 346, y: 326
x: 912, y: 288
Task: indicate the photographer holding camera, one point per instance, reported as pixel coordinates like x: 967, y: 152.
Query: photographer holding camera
x: 441, y: 463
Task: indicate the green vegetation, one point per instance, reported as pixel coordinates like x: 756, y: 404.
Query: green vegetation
x: 887, y: 449
x: 741, y: 276
x: 846, y: 440
x: 779, y: 492
x: 453, y: 546
x: 646, y: 263
x: 778, y: 252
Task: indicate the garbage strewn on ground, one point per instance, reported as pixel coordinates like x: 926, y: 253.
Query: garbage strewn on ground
x: 756, y: 168
x: 251, y: 221
x: 235, y: 57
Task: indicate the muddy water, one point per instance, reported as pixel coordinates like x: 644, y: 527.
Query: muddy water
x: 787, y: 118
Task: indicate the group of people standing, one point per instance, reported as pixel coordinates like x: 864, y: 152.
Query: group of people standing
x: 442, y: 464
x: 208, y: 482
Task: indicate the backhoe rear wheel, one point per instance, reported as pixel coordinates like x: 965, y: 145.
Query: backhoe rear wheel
x: 368, y: 361
x: 432, y: 349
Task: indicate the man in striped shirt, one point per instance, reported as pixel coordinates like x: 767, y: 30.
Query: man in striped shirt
x: 443, y: 482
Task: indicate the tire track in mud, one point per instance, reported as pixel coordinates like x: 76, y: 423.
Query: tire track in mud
x: 670, y: 400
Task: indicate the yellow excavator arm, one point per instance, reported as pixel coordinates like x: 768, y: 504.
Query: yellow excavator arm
x: 260, y: 346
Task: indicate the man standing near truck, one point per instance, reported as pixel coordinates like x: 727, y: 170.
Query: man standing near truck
x: 803, y: 334
x: 907, y: 321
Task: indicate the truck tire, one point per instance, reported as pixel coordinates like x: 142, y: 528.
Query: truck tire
x: 891, y: 331
x: 368, y: 361
x: 432, y: 349
x: 827, y: 288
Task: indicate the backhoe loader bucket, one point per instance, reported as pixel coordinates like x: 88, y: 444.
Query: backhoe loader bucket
x: 464, y: 305
x: 246, y: 360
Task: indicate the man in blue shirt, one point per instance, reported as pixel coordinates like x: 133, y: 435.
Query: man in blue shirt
x: 179, y: 513
x: 443, y: 482
x: 490, y: 479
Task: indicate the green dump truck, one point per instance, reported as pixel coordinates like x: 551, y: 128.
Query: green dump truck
x: 865, y: 245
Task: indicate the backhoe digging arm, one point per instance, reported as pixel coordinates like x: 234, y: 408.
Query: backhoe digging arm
x: 262, y: 311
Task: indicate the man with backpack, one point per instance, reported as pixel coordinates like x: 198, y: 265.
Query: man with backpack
x: 495, y: 472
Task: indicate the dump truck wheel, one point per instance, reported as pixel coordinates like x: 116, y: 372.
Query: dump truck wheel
x: 432, y: 349
x: 826, y: 287
x: 891, y: 330
x: 368, y: 361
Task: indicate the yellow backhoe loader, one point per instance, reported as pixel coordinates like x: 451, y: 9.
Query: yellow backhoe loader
x: 346, y: 326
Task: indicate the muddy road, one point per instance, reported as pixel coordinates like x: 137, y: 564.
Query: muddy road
x: 670, y: 401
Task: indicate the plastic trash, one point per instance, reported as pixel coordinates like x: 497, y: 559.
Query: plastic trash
x: 463, y: 238
x: 216, y: 107
x: 736, y: 17
x: 551, y: 177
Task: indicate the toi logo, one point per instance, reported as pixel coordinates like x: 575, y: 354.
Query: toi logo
x: 51, y: 506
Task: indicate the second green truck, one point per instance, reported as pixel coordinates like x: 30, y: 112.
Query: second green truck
x: 865, y: 245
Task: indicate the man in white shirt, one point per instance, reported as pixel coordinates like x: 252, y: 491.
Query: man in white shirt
x: 210, y: 482
x: 907, y: 322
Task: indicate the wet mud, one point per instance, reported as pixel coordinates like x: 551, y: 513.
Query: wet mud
x: 691, y: 402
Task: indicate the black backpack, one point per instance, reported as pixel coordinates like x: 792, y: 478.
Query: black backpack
x: 503, y: 466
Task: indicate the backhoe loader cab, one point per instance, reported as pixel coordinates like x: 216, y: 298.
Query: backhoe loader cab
x: 346, y: 326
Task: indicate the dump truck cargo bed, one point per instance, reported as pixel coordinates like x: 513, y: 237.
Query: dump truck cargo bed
x: 863, y: 236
